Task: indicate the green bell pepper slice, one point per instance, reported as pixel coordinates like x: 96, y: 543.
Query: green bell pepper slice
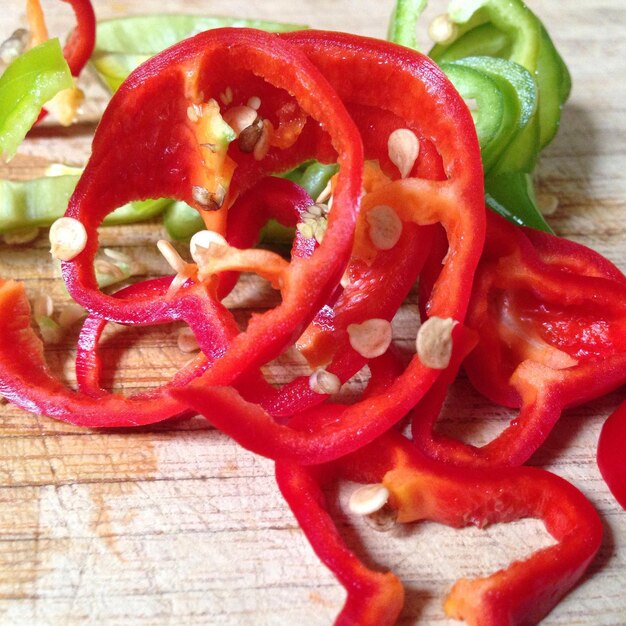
x: 39, y: 202
x: 510, y: 30
x: 30, y: 81
x: 122, y: 44
x: 520, y: 95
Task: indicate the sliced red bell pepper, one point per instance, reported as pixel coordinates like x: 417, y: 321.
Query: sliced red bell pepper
x: 81, y: 41
x: 551, y: 316
x: 26, y: 380
x: 146, y: 146
x: 437, y: 113
x: 423, y: 489
x: 611, y: 453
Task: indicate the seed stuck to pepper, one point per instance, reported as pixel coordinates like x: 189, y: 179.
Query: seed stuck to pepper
x: 324, y: 382
x: 194, y: 112
x: 314, y: 222
x: 370, y: 338
x: 68, y: 238
x: 208, y: 200
x: 204, y: 239
x: 262, y: 146
x: 404, y: 148
x: 249, y: 137
x: 368, y: 499
x: 186, y: 341
x: 240, y: 117
x: 254, y: 102
x: 385, y: 227
x: 434, y: 342
x: 442, y: 29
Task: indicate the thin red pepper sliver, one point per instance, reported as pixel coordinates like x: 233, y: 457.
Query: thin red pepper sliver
x: 423, y: 489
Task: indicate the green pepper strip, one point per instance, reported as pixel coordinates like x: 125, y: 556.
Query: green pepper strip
x: 509, y: 29
x: 514, y: 124
x: 39, y: 202
x: 402, y: 23
x: 26, y: 85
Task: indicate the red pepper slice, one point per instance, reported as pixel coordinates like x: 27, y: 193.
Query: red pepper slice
x: 551, y: 316
x: 26, y: 380
x: 81, y: 41
x: 145, y: 147
x: 611, y: 454
x: 423, y: 489
x: 357, y: 67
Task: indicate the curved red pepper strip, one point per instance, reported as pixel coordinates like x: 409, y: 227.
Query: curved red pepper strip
x: 88, y: 360
x: 144, y: 147
x: 439, y: 113
x: 611, y: 447
x: 81, y: 41
x: 423, y: 489
x: 270, y: 198
x: 551, y: 316
x: 26, y: 380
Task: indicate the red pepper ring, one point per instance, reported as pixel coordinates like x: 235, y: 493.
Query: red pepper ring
x: 611, y: 453
x: 551, y: 337
x: 26, y: 380
x: 423, y: 489
x: 353, y: 64
x: 81, y: 41
x: 144, y: 147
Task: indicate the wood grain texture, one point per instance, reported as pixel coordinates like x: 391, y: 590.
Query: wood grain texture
x: 176, y: 524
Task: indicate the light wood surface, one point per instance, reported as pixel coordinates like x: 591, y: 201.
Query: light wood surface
x: 177, y: 525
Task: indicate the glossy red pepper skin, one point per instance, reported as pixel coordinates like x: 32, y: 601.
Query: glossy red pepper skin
x: 26, y: 381
x: 437, y: 113
x: 156, y: 155
x: 611, y: 446
x: 551, y: 316
x: 81, y: 41
x: 423, y: 489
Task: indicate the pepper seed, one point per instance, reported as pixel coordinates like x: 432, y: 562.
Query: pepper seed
x: 403, y: 147
x: 68, y: 238
x: 324, y: 382
x: 370, y: 338
x: 368, y: 499
x: 434, y: 342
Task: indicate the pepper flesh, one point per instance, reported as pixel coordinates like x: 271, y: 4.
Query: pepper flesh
x: 443, y: 117
x: 423, y: 489
x: 551, y: 317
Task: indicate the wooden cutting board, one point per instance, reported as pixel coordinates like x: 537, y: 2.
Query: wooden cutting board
x: 177, y: 524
